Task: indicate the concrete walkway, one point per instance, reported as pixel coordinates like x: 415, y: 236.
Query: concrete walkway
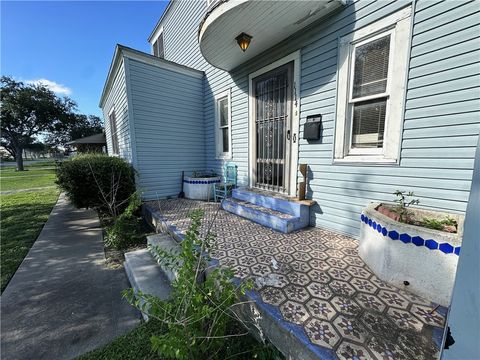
x: 62, y: 301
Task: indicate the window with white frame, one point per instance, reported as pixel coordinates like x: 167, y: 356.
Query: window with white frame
x: 371, y: 90
x: 158, y: 47
x: 223, y: 125
x: 113, y: 132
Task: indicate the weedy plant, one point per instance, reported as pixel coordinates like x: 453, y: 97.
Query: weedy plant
x: 123, y: 231
x: 199, y: 321
x: 404, y: 200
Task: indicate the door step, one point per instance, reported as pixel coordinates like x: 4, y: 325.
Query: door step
x: 145, y: 275
x: 168, y: 244
x: 274, y: 219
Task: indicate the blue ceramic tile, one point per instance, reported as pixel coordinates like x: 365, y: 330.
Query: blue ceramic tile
x: 393, y: 235
x: 457, y: 250
x: 417, y: 240
x: 405, y: 238
x: 384, y: 231
x: 431, y: 244
x: 446, y: 248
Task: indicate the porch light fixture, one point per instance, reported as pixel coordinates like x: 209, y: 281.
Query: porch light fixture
x: 243, y: 40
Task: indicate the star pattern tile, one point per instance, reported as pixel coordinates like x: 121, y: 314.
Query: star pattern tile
x: 317, y: 281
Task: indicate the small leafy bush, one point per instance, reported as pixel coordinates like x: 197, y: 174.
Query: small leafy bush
x: 432, y: 224
x: 198, y: 321
x: 404, y: 200
x: 97, y: 181
x: 438, y: 224
x: 124, y: 230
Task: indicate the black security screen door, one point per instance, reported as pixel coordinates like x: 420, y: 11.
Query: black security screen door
x: 273, y: 93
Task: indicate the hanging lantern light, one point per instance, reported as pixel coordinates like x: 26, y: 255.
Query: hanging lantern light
x: 243, y: 40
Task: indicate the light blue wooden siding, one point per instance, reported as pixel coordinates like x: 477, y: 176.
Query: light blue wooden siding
x: 180, y: 29
x: 167, y: 108
x: 442, y: 118
x: 117, y: 97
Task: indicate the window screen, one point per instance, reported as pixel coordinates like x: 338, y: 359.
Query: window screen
x: 158, y: 49
x: 223, y: 123
x: 113, y: 132
x: 369, y: 123
x: 371, y: 68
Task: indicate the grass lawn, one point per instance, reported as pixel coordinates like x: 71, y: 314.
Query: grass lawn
x: 23, y: 214
x: 133, y: 345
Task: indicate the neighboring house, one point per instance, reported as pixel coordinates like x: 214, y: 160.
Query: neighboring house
x: 92, y: 143
x: 395, y: 83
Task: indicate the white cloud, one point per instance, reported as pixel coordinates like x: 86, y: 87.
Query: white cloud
x: 52, y: 85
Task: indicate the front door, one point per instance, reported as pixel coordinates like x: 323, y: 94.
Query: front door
x: 273, y: 129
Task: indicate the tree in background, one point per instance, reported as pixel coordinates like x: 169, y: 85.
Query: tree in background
x: 29, y: 110
x: 79, y: 126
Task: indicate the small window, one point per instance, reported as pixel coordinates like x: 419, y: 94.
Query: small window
x: 113, y: 132
x: 371, y: 90
x: 223, y: 125
x: 158, y: 48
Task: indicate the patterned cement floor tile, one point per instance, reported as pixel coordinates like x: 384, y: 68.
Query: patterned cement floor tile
x: 294, y: 312
x: 320, y: 309
x: 350, y: 328
x: 405, y: 319
x: 350, y: 351
x: 345, y: 305
x: 370, y: 302
x: 317, y: 280
x: 322, y: 333
x: 428, y: 315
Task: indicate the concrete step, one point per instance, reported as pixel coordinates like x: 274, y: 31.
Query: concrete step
x: 145, y: 275
x: 276, y: 220
x: 168, y: 244
x: 273, y: 201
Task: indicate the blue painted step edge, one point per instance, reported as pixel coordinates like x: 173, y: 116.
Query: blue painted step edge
x: 282, y: 205
x: 265, y: 219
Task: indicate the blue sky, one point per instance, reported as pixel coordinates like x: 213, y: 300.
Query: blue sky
x: 71, y: 43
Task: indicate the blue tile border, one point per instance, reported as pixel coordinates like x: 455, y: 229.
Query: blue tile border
x: 430, y: 244
x: 204, y: 182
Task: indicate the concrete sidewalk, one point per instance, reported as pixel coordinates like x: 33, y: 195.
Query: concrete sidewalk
x: 62, y: 301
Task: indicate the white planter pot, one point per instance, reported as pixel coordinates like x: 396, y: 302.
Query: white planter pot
x: 398, y: 252
x: 199, y: 188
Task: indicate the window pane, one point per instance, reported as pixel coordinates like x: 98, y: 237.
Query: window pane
x: 223, y: 111
x: 371, y: 67
x: 155, y: 48
x: 368, y: 123
x: 161, y: 50
x: 225, y: 140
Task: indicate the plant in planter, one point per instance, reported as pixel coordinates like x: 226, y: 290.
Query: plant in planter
x: 410, y: 245
x: 198, y: 186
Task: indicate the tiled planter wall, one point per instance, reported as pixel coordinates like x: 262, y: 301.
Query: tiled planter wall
x: 398, y: 252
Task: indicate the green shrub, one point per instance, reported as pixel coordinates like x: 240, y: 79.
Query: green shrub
x: 124, y: 231
x: 97, y: 181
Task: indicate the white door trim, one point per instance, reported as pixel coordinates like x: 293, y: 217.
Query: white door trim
x: 295, y: 57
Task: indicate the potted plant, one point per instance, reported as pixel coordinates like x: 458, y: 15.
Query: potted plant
x: 412, y: 248
x: 198, y: 186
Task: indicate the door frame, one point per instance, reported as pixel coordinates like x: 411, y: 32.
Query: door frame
x: 295, y: 106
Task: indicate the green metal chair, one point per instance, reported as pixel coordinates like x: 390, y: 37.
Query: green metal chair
x: 224, y: 189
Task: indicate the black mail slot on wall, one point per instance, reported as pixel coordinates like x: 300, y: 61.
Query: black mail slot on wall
x: 311, y: 129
